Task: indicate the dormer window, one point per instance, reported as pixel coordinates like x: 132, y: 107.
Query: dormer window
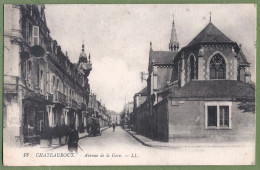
x: 217, y: 67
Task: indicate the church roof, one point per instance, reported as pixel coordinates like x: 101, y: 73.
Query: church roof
x: 163, y: 57
x: 216, y: 89
x: 244, y: 60
x: 210, y: 34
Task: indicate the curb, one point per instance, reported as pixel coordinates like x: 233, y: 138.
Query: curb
x: 136, y: 138
x: 178, y: 146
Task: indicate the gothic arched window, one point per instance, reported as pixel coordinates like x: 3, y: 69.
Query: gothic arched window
x: 192, y: 67
x: 217, y: 67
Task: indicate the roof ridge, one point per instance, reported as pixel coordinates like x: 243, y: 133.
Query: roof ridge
x: 210, y: 33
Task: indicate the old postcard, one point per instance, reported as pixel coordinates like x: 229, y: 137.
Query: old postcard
x: 129, y: 84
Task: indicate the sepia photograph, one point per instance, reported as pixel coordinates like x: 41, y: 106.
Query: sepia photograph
x: 129, y: 84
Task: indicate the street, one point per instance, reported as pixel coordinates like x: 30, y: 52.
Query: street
x: 123, y: 149
x: 176, y: 79
x: 120, y: 148
x: 107, y: 142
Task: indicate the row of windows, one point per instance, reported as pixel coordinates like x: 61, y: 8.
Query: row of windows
x: 55, y: 83
x: 35, y: 33
x: 217, y: 67
x: 33, y: 37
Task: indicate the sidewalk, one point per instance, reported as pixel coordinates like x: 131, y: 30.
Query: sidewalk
x: 151, y: 143
x: 81, y: 136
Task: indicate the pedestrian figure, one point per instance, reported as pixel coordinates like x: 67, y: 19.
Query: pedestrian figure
x: 114, y: 127
x: 73, y: 139
x: 68, y: 130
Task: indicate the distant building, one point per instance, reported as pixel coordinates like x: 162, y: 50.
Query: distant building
x: 128, y: 110
x: 115, y: 118
x: 96, y: 109
x: 140, y: 97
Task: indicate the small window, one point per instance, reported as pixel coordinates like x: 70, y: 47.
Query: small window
x: 192, y: 67
x: 212, y: 116
x: 52, y: 84
x: 57, y: 85
x: 218, y: 115
x: 28, y: 31
x: 224, y: 116
x: 35, y: 35
x: 41, y: 81
x: 64, y: 89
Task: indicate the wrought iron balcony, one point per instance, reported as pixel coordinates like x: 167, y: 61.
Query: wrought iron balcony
x: 30, y: 94
x: 59, y: 98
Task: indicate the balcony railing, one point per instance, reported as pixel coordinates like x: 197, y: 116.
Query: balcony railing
x: 59, y: 98
x: 32, y: 95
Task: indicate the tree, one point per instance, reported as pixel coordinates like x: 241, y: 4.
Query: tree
x: 247, y: 105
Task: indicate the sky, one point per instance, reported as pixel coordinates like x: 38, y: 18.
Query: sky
x: 118, y: 38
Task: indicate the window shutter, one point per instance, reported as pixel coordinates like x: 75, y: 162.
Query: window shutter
x: 35, y: 35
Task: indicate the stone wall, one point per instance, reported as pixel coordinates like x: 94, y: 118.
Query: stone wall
x: 187, y: 122
x: 155, y: 125
x: 203, y: 60
x: 164, y: 76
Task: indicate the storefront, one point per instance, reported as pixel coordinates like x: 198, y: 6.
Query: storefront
x: 35, y: 116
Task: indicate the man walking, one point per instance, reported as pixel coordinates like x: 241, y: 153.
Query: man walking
x: 73, y: 139
x: 114, y: 127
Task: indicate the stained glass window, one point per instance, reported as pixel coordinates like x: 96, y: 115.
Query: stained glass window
x: 217, y: 67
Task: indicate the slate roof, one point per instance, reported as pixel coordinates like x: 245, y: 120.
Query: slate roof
x: 210, y: 34
x: 216, y: 89
x: 242, y: 55
x: 163, y: 57
x: 143, y: 92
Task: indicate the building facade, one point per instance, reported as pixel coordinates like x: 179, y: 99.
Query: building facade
x: 140, y: 98
x: 97, y: 110
x: 208, y: 95
x: 43, y: 89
